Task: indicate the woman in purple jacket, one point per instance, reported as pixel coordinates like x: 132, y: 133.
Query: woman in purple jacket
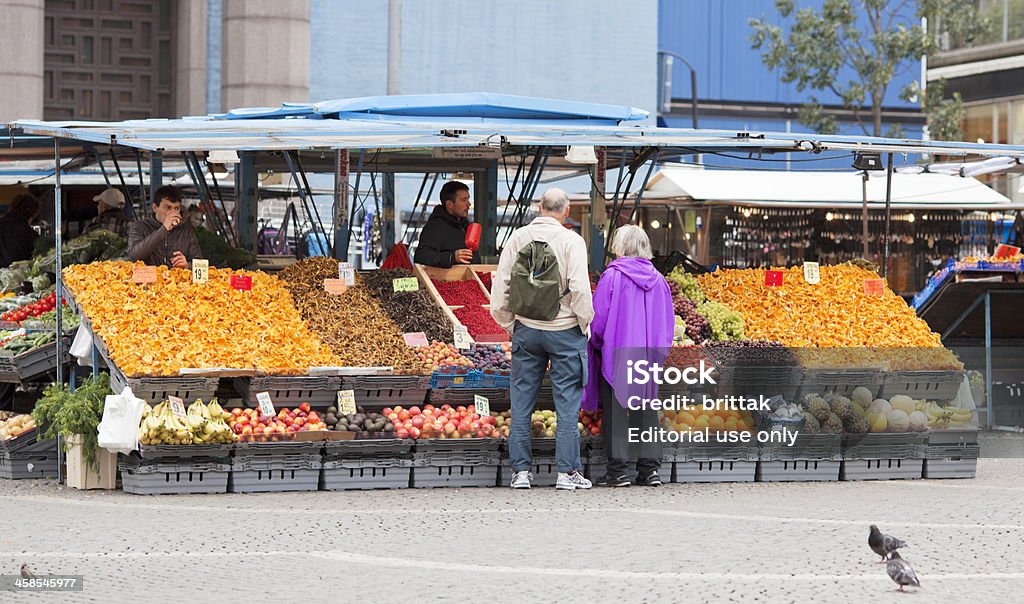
x: 633, y: 321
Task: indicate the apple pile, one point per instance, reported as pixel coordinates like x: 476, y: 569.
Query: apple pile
x: 439, y: 354
x: 543, y: 423
x: 441, y: 422
x: 249, y: 425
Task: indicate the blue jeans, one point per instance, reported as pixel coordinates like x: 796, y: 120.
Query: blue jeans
x: 532, y: 349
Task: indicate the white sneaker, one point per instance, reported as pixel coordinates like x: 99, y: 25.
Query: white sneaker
x: 572, y: 481
x: 521, y: 480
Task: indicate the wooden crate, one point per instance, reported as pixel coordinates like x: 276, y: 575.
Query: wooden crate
x: 464, y: 272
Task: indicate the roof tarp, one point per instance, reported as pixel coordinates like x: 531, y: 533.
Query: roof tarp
x: 820, y: 189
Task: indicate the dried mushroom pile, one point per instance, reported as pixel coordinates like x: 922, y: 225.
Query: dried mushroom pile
x: 352, y: 324
x: 160, y: 328
x: 412, y: 311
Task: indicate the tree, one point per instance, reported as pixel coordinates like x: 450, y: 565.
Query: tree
x: 874, y: 40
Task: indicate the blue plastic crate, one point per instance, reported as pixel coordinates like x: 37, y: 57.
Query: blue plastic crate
x: 467, y: 379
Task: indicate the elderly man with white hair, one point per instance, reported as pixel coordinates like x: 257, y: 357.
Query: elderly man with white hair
x: 541, y: 295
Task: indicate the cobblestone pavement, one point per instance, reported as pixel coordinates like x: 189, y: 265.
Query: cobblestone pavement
x: 756, y: 542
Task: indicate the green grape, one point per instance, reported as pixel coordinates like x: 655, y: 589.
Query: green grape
x: 726, y: 324
x: 687, y: 284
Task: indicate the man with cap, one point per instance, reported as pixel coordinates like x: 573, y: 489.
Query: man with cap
x: 110, y: 214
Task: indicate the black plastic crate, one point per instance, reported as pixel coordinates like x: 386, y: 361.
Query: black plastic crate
x: 375, y: 449
x: 20, y: 465
x: 388, y: 390
x: 156, y: 389
x: 150, y: 453
x: 275, y: 474
x: 288, y: 391
x: 366, y: 474
x: 933, y: 385
x: 170, y: 478
x: 807, y: 447
x: 457, y: 476
x: 887, y: 446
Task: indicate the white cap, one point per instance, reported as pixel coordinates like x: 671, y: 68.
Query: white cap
x: 111, y: 197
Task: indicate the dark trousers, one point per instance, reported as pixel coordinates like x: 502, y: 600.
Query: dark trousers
x: 616, y: 422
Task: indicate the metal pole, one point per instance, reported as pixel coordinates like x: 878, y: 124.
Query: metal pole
x: 387, y: 223
x: 888, y: 215
x: 57, y: 225
x: 598, y: 208
x: 694, y: 110
x: 864, y: 213
x: 341, y: 225
x: 156, y: 176
x: 394, y: 46
x: 988, y: 359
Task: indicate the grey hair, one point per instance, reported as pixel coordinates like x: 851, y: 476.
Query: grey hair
x: 631, y: 241
x: 554, y: 201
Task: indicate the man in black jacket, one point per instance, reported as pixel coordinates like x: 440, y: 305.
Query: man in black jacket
x: 16, y: 236
x: 442, y: 241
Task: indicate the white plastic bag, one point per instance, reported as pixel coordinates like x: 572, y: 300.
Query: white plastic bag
x: 81, y: 347
x: 119, y: 430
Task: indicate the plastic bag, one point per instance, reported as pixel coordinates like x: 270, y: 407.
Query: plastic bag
x: 119, y: 430
x: 81, y: 347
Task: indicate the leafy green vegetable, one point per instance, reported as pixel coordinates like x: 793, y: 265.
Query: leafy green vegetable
x: 67, y: 413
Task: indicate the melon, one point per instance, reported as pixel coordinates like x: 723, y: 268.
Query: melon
x: 878, y: 422
x: 880, y: 406
x: 899, y: 421
x: 918, y: 421
x: 861, y: 396
x: 904, y: 403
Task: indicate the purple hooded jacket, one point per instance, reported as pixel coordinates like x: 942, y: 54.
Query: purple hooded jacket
x: 633, y: 320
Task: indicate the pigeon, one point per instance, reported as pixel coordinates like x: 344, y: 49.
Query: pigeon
x: 883, y: 545
x: 26, y: 572
x: 901, y: 572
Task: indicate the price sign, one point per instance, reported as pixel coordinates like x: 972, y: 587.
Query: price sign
x: 347, y: 402
x: 406, y: 284
x: 177, y: 406
x: 241, y: 282
x: 347, y: 272
x: 874, y: 287
x: 200, y: 270
x: 266, y: 405
x: 483, y: 406
x: 812, y: 273
x: 1006, y: 251
x: 416, y: 339
x: 144, y: 274
x: 462, y: 339
x: 773, y: 278
x: 335, y: 286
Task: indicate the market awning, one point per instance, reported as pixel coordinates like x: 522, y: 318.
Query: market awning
x: 821, y: 189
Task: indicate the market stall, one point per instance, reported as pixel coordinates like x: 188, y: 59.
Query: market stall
x: 323, y: 369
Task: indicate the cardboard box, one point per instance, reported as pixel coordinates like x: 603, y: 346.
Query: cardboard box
x: 81, y: 476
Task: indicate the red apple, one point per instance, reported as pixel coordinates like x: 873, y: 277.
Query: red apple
x: 417, y: 421
x: 489, y: 419
x: 460, y: 409
x: 236, y: 411
x: 449, y: 428
x: 402, y: 433
x: 403, y: 415
x: 464, y: 426
x: 414, y: 411
x: 393, y: 416
x: 414, y: 432
x: 304, y: 407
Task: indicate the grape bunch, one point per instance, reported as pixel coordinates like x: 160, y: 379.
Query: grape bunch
x: 688, y: 285
x: 698, y: 328
x: 488, y: 356
x: 673, y: 287
x: 726, y: 324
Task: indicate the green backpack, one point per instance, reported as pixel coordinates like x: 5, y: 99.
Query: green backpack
x: 536, y: 282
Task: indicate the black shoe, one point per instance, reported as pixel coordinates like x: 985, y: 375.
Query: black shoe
x: 613, y: 481
x: 650, y: 479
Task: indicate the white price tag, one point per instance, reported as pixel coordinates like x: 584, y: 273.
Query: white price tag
x: 177, y: 406
x: 347, y: 272
x: 200, y: 270
x: 812, y: 273
x: 266, y: 405
x: 483, y: 406
x: 462, y: 339
x: 347, y: 402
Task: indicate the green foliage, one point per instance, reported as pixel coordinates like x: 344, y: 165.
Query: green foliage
x: 220, y: 253
x: 63, y: 412
x: 872, y: 38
